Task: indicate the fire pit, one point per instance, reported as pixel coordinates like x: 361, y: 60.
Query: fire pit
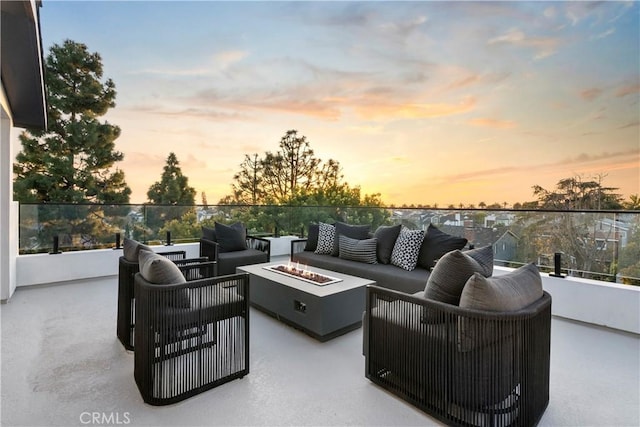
x: 302, y: 273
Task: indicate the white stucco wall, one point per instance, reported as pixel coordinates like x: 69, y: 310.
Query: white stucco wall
x: 41, y: 269
x: 8, y: 208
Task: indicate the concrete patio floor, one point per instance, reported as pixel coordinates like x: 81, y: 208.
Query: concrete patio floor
x: 63, y: 366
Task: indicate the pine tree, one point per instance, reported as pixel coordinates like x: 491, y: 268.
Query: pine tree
x: 173, y: 187
x: 74, y: 160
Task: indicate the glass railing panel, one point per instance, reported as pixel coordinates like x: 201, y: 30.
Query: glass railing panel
x: 598, y: 245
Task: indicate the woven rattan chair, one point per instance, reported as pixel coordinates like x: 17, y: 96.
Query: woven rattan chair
x: 182, y: 351
x: 464, y: 367
x: 258, y: 251
x: 126, y: 298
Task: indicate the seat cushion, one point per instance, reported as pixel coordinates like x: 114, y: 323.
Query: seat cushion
x: 228, y: 261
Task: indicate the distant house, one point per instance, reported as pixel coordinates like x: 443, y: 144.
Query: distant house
x: 504, y: 249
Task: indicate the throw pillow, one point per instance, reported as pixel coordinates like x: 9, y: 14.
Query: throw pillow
x: 484, y: 257
x: 510, y: 292
x: 449, y: 276
x: 312, y: 238
x: 159, y: 270
x: 358, y: 250
x: 209, y: 234
x: 326, y: 235
x: 387, y: 236
x: 359, y: 232
x: 437, y: 243
x: 406, y: 249
x: 231, y: 238
x: 131, y: 249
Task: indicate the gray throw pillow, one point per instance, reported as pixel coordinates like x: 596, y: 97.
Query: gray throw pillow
x: 484, y: 257
x: 159, y: 270
x: 510, y: 292
x: 437, y: 243
x: 231, y: 238
x: 326, y: 235
x: 358, y: 232
x: 358, y: 250
x: 449, y: 276
x: 131, y: 249
x: 387, y: 236
x: 406, y: 249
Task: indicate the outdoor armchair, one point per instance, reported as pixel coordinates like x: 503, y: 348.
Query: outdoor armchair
x: 190, y: 337
x: 231, y: 247
x: 463, y: 366
x: 126, y: 295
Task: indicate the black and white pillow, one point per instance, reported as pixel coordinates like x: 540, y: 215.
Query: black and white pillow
x: 326, y: 234
x: 358, y: 250
x: 406, y: 249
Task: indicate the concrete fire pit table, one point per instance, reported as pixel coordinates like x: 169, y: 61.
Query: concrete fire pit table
x: 324, y: 311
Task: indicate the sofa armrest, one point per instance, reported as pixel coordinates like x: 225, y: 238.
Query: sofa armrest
x: 297, y: 246
x: 209, y: 249
x: 261, y: 244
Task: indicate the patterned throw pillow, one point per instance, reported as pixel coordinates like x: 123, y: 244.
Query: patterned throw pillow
x: 326, y: 234
x: 358, y: 250
x: 358, y: 232
x: 406, y: 249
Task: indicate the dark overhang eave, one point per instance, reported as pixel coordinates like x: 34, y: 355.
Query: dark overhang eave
x: 22, y: 64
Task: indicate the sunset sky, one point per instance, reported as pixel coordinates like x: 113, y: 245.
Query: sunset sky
x: 423, y: 102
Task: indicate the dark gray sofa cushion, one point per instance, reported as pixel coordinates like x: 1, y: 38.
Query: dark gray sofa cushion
x: 385, y: 275
x: 436, y: 243
x: 312, y: 237
x: 386, y: 235
x: 228, y: 261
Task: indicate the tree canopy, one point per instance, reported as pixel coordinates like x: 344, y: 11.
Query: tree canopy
x: 74, y: 160
x: 173, y: 187
x: 576, y: 193
x: 291, y: 175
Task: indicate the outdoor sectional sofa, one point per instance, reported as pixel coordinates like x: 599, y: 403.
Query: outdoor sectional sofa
x: 401, y: 260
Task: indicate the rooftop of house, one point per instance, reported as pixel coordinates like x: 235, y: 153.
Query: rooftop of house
x: 62, y: 365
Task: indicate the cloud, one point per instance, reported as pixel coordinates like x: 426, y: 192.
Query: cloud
x: 387, y: 109
x: 543, y: 46
x: 226, y: 58
x: 604, y: 34
x: 629, y: 89
x: 493, y: 123
x: 590, y: 94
